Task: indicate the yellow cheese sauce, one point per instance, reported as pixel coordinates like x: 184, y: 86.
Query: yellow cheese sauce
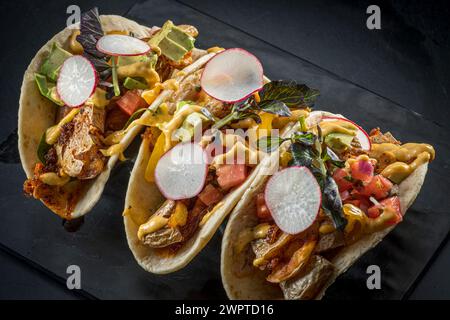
x: 281, y: 122
x: 140, y: 70
x: 153, y: 224
x: 398, y: 171
x: 338, y: 126
x: 359, y: 224
x: 399, y: 161
x: 177, y: 120
x: 251, y: 157
x: 98, y: 98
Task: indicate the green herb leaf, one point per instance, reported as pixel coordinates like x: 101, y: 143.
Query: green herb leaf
x: 301, y: 155
x: 43, y: 148
x: 288, y: 92
x: 306, y: 139
x: 90, y: 32
x: 303, y: 125
x: 246, y: 115
x: 332, y: 203
x: 269, y: 143
x: 306, y: 151
x: 275, y: 107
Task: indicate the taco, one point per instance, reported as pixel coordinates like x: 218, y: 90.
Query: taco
x: 69, y: 146
x: 335, y: 193
x: 169, y: 215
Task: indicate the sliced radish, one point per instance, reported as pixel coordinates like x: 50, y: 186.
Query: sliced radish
x: 181, y: 172
x: 122, y: 45
x: 293, y: 197
x: 232, y: 75
x: 76, y: 81
x: 361, y: 135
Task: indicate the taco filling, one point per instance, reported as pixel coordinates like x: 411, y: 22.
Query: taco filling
x: 224, y: 131
x: 357, y: 177
x: 75, y: 150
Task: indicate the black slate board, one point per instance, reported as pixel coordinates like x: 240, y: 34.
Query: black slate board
x: 100, y: 249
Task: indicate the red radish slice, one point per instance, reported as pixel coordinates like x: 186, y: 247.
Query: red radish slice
x: 362, y: 135
x: 232, y: 75
x: 181, y: 172
x: 122, y: 45
x: 293, y: 197
x: 76, y: 81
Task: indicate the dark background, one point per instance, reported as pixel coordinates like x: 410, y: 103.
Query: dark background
x: 406, y: 62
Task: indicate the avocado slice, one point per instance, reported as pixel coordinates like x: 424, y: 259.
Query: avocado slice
x: 47, y: 89
x: 126, y: 60
x: 131, y: 84
x: 173, y: 42
x: 338, y: 141
x: 52, y: 64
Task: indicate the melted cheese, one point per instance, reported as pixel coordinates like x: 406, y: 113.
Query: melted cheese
x: 177, y: 120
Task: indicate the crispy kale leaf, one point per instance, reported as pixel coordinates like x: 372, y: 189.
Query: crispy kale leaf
x: 90, y: 32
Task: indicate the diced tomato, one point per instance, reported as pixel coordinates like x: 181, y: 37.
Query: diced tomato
x: 130, y: 102
x: 362, y: 170
x: 374, y: 211
x: 231, y: 175
x: 394, y: 204
x: 261, y: 208
x: 341, y: 177
x: 210, y: 195
x: 378, y: 187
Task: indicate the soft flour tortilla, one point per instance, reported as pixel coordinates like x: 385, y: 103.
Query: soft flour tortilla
x: 37, y: 113
x: 251, y: 283
x: 145, y: 197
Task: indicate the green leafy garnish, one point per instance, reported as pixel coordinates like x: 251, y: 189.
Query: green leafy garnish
x: 269, y: 143
x: 90, y: 32
x: 43, y: 148
x: 290, y: 93
x: 275, y: 107
x: 303, y: 125
x: 306, y: 150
